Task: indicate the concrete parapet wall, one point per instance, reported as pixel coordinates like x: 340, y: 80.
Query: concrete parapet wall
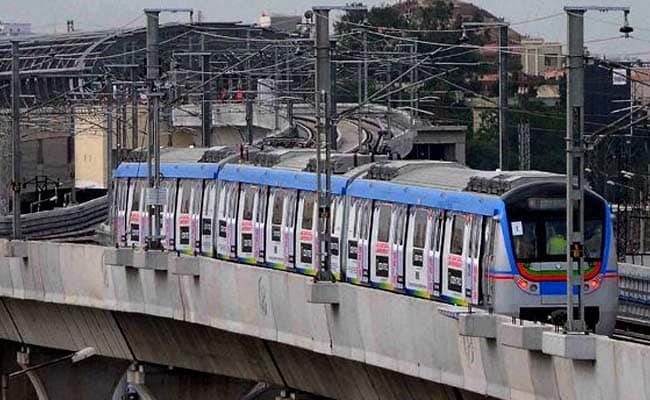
x: 391, y: 332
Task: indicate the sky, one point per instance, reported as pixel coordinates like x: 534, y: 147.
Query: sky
x: 601, y: 29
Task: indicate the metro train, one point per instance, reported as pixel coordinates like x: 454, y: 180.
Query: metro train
x: 431, y: 229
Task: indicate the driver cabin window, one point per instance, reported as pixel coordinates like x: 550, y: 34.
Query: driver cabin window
x: 525, y: 240
x: 555, y: 238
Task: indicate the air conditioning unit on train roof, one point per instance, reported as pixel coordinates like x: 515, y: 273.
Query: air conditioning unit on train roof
x: 496, y: 185
x: 342, y: 163
x: 217, y: 154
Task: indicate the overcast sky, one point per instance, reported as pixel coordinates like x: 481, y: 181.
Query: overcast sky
x: 48, y: 15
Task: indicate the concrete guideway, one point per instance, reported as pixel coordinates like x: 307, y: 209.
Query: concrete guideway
x: 254, y: 308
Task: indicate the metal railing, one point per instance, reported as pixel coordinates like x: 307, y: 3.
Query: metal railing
x: 634, y: 292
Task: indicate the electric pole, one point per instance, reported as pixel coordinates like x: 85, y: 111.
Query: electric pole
x: 109, y: 143
x: 206, y: 105
x: 153, y: 154
x: 249, y: 120
x: 575, y: 161
x: 326, y: 130
x: 323, y: 86
x: 134, y: 101
x: 15, y: 130
x: 503, y: 93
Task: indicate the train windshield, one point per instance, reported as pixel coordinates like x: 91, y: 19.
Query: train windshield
x: 537, y: 217
x: 545, y: 240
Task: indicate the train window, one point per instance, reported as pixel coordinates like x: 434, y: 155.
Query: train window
x: 419, y: 228
x: 278, y: 203
x: 308, y: 211
x: 186, y: 191
x: 457, y: 234
x: 399, y: 225
x: 364, y: 214
x: 526, y: 241
x: 593, y: 239
x: 232, y: 199
x: 383, y: 227
x: 249, y: 198
x: 135, y: 203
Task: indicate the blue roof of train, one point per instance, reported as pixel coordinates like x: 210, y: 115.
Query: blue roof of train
x: 451, y: 200
x: 169, y: 170
x: 277, y: 177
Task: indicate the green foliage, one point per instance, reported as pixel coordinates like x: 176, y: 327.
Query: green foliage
x: 482, y: 146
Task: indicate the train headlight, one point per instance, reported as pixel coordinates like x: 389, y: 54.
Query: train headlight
x: 593, y: 284
x: 526, y: 286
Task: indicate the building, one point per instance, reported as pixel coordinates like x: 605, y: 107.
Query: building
x: 280, y: 22
x: 539, y: 56
x: 11, y: 29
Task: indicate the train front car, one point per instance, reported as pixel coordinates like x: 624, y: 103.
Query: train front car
x: 534, y: 246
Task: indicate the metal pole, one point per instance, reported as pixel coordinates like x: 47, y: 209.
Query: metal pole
x: 331, y: 101
x: 276, y: 91
x: 413, y: 80
x: 323, y: 60
x: 206, y: 109
x: 153, y: 76
x: 389, y: 109
x: 365, y: 66
x: 15, y: 130
x: 319, y: 185
x: 134, y: 102
x: 575, y: 167
x: 123, y: 106
x: 360, y: 101
x: 503, y: 92
x: 73, y: 172
x: 249, y: 120
x: 323, y: 85
x: 109, y: 145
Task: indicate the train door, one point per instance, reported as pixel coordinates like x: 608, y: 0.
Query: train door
x: 188, y: 212
x: 250, y: 237
x: 438, y: 234
x: 208, y: 212
x: 419, y: 253
x: 119, y: 216
x: 280, y: 228
x: 337, y: 217
x: 387, y: 248
x: 227, y: 223
x: 137, y: 214
x: 472, y: 272
x: 358, y: 239
x: 454, y: 258
x: 259, y: 239
x: 308, y: 259
x: 487, y: 262
x: 169, y: 214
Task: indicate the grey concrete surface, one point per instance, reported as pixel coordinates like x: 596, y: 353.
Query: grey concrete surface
x: 254, y: 323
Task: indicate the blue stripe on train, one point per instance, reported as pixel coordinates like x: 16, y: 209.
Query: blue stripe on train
x: 473, y: 203
x: 169, y: 170
x: 278, y: 178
